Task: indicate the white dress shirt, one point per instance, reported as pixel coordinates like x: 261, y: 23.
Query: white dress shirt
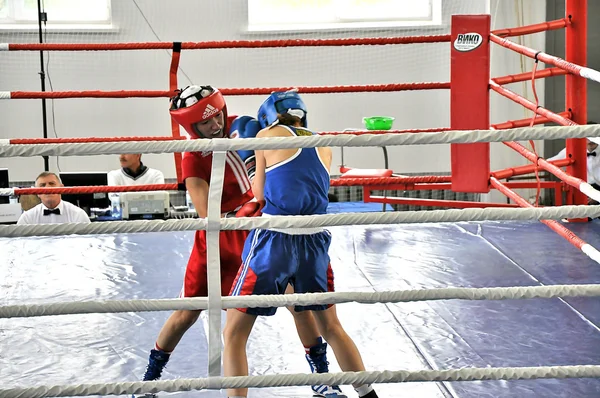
x: 69, y: 213
x: 149, y: 176
x: 121, y: 178
x: 593, y: 164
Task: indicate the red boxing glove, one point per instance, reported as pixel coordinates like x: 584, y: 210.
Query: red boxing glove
x: 251, y: 209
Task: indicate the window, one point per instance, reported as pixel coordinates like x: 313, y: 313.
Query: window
x: 72, y: 12
x: 295, y: 15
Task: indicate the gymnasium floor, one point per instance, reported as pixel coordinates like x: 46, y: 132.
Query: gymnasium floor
x: 98, y: 348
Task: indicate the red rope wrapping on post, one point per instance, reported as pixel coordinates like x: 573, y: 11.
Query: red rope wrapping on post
x: 527, y: 169
x: 535, y: 28
x: 531, y: 53
x: 229, y: 91
x: 554, y: 225
x: 530, y: 105
x: 521, y: 77
x: 511, y: 124
x: 366, y: 41
x: 572, y: 181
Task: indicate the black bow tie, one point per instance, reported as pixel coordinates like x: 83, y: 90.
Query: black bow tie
x: 47, y: 212
x: 591, y: 153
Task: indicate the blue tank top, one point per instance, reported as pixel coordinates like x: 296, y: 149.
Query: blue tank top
x: 299, y: 185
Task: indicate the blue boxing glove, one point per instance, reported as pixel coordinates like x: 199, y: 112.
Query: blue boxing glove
x: 246, y: 127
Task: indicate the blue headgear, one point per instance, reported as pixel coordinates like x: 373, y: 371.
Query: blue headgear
x: 280, y: 103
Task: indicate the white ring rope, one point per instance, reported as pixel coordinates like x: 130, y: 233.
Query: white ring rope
x: 590, y: 74
x: 226, y: 144
x: 396, y: 296
x: 325, y: 220
x: 218, y: 145
x: 387, y: 376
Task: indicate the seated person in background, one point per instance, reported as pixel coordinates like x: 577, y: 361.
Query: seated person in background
x: 134, y: 172
x: 52, y: 210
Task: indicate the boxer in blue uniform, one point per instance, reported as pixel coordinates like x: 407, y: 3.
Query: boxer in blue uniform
x: 291, y: 182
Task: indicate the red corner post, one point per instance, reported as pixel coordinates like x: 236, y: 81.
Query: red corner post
x: 576, y: 92
x: 470, y: 100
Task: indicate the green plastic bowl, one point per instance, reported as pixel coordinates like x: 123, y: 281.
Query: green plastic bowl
x: 378, y: 122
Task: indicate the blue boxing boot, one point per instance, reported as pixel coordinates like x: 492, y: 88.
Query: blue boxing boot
x: 317, y: 359
x: 156, y: 363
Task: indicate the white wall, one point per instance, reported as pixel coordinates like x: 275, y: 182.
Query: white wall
x: 190, y: 20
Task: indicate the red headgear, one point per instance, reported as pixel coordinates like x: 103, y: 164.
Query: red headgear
x: 194, y: 104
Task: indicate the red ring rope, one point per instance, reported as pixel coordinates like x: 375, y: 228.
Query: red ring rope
x: 523, y: 30
x: 174, y: 187
x: 373, y: 41
x: 90, y: 94
x: 268, y: 90
x: 554, y: 225
x: 228, y: 91
x: 349, y: 182
x: 340, y: 89
x: 78, y: 140
x: 95, y: 189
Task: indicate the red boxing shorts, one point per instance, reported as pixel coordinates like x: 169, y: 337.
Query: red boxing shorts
x: 231, y: 244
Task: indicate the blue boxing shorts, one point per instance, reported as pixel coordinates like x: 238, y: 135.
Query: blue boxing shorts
x: 271, y: 260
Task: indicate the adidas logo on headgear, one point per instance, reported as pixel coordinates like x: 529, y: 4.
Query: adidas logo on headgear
x: 209, y: 111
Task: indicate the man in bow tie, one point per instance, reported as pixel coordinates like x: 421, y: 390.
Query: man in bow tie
x: 52, y: 210
x: 593, y: 160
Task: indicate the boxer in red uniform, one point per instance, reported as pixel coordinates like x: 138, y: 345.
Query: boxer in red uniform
x: 202, y: 112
